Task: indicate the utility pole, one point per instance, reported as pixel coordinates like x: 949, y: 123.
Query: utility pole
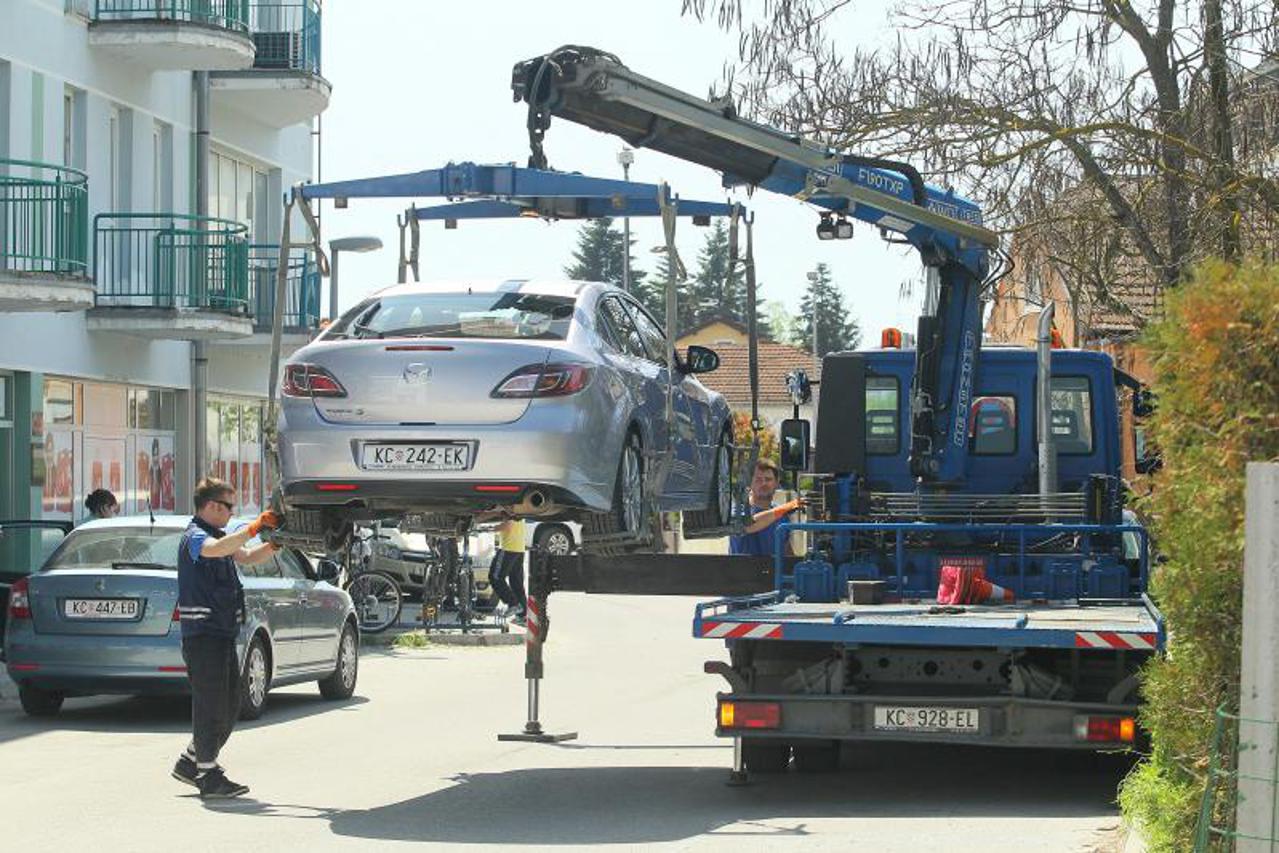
x: 626, y: 157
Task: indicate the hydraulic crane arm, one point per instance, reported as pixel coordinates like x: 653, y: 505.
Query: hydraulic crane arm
x: 593, y: 88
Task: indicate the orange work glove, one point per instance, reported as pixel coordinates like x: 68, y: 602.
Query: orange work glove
x: 789, y: 507
x: 267, y: 520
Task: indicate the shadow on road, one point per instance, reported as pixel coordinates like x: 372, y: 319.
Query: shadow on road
x: 155, y: 714
x: 639, y: 805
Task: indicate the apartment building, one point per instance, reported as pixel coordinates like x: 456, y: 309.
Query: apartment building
x: 111, y: 276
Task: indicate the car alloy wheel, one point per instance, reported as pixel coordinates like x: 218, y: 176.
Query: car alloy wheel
x: 347, y: 660
x: 557, y: 542
x: 632, y: 488
x: 257, y: 675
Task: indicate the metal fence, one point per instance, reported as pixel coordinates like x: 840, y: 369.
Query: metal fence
x: 43, y: 218
x: 170, y: 260
x: 302, y: 294
x: 226, y: 14
x: 286, y: 34
x: 1238, y: 807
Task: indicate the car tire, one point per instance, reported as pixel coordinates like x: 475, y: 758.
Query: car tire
x: 255, y: 680
x: 765, y: 756
x: 627, y: 515
x: 39, y: 703
x: 553, y: 538
x: 719, y: 500
x: 341, y: 683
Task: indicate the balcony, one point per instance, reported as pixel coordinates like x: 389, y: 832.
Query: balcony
x: 174, y: 35
x: 301, y: 300
x: 170, y: 276
x: 284, y: 86
x: 44, y: 252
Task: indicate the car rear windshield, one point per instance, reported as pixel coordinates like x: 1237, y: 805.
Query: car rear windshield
x: 459, y: 315
x: 117, y: 546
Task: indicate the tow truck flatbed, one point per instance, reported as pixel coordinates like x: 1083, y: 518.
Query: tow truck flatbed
x: 1102, y: 625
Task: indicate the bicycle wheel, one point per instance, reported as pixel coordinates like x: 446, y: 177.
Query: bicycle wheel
x: 377, y: 600
x: 465, y: 595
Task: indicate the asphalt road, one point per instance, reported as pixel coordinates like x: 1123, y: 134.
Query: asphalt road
x: 413, y: 757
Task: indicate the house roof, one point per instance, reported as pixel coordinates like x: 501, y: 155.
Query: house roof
x: 1123, y: 309
x: 711, y: 321
x: 732, y: 379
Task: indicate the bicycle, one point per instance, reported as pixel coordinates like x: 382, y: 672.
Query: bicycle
x: 377, y: 596
x: 449, y: 576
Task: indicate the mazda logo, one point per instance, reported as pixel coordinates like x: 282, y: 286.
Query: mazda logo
x: 417, y: 372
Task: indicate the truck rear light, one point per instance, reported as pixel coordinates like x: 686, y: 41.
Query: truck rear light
x: 1106, y: 729
x: 545, y: 380
x: 750, y: 715
x: 310, y: 380
x: 19, y: 600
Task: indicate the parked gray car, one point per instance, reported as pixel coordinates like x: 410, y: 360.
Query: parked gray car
x: 101, y: 617
x: 549, y: 396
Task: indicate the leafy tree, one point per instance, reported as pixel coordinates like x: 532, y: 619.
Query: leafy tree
x: 600, y: 255
x: 836, y: 330
x: 1217, y: 383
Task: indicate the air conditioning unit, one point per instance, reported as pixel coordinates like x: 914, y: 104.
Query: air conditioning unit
x: 278, y: 50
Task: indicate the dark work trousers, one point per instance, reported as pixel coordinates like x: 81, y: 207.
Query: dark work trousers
x: 213, y: 668
x: 506, y: 573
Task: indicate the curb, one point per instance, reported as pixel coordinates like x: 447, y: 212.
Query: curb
x: 446, y: 638
x: 1133, y: 840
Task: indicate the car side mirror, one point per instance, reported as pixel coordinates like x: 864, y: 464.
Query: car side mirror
x: 701, y: 359
x: 795, y: 435
x: 1143, y: 403
x: 327, y: 570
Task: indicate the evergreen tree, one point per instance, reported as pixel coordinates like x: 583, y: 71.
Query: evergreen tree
x: 708, y: 291
x: 836, y: 330
x: 599, y: 255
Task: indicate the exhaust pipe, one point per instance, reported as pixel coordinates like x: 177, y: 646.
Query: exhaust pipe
x: 535, y: 503
x: 1047, y: 452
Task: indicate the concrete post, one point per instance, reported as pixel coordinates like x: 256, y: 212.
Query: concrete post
x: 199, y: 349
x: 1257, y: 813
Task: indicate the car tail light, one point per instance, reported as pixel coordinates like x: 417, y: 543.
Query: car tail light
x: 177, y: 617
x: 310, y: 380
x: 750, y: 715
x: 1106, y: 729
x: 19, y: 600
x: 545, y: 380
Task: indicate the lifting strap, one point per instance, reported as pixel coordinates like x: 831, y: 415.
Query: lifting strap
x: 752, y: 355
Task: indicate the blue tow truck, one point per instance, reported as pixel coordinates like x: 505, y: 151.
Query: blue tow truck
x: 1003, y: 460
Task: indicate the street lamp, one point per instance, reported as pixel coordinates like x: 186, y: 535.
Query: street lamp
x: 336, y: 247
x: 626, y: 157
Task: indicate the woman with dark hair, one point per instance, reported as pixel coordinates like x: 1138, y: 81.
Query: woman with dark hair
x: 101, y: 504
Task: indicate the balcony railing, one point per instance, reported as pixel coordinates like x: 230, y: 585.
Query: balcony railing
x: 43, y: 218
x: 302, y: 296
x: 286, y: 34
x: 170, y: 260
x: 225, y: 14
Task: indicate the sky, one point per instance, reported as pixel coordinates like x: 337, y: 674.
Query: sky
x: 418, y: 84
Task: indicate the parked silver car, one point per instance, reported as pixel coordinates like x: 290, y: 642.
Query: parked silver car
x: 550, y: 396
x: 101, y: 617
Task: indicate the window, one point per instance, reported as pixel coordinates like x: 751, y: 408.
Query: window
x: 883, y: 416
x: 59, y: 402
x: 1072, y: 415
x: 151, y: 409
x: 992, y: 425
x: 290, y: 566
x: 622, y: 327
x: 492, y: 315
x: 233, y: 186
x: 650, y: 333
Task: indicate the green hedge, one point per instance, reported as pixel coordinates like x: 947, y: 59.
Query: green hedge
x: 1216, y: 365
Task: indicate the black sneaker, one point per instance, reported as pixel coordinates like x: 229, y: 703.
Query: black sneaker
x: 185, y: 771
x: 214, y: 785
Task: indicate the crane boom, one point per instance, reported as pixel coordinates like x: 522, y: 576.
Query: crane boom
x: 593, y: 88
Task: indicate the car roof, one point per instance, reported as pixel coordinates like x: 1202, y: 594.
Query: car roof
x: 541, y: 286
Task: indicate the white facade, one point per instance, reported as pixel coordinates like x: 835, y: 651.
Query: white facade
x: 131, y: 129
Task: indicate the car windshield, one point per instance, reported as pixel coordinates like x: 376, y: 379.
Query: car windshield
x: 459, y: 315
x: 132, y: 547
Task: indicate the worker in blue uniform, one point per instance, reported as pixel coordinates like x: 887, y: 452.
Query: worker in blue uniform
x: 759, y: 538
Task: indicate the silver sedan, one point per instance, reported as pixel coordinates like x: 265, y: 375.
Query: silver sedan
x: 549, y: 397
x: 101, y: 617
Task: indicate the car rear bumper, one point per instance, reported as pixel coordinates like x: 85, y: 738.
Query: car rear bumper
x: 552, y: 447
x: 92, y: 664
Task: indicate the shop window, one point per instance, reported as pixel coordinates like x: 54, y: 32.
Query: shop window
x: 105, y: 405
x: 59, y: 402
x: 152, y: 409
